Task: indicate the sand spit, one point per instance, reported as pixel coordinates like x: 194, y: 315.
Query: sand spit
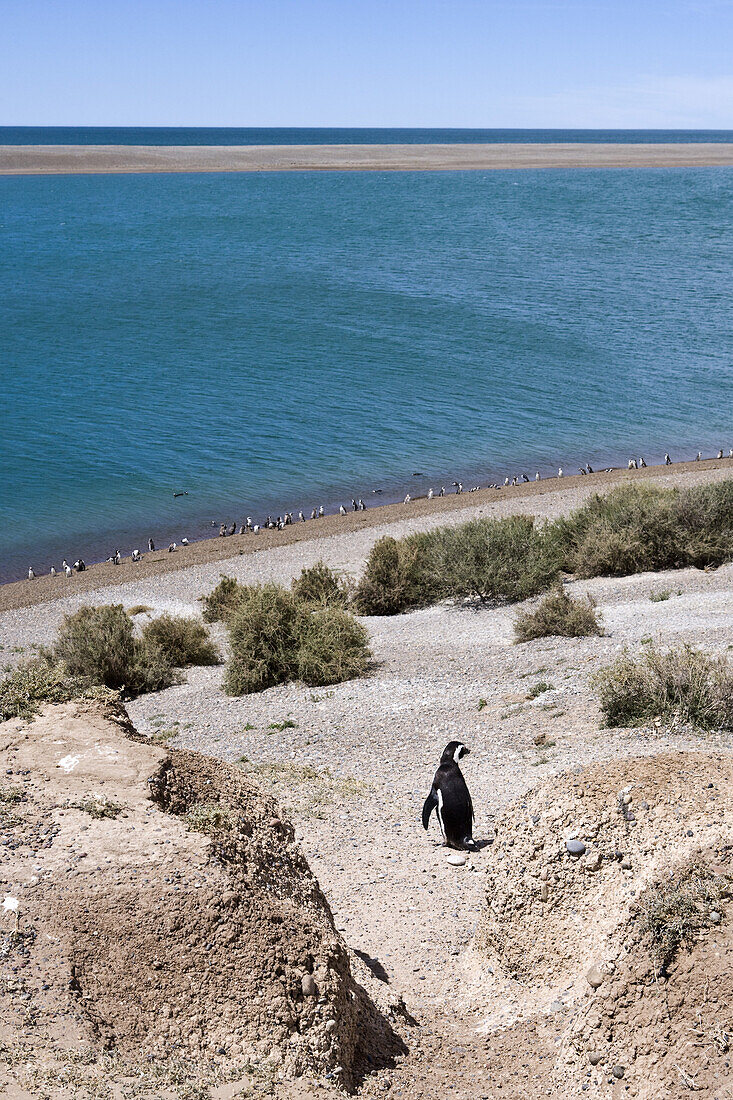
x: 64, y: 159
x: 341, y: 540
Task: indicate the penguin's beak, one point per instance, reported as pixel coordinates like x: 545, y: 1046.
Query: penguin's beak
x: 467, y: 752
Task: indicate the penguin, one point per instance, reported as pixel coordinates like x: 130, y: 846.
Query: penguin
x: 431, y: 494
x: 537, y: 476
x: 720, y: 453
x: 442, y: 491
x: 588, y: 468
x: 642, y: 464
x: 151, y: 545
x: 450, y: 799
x: 362, y: 505
x: 525, y: 479
x: 407, y: 499
x: 68, y: 570
x: 301, y: 517
x: 53, y: 570
x: 313, y: 514
x: 342, y: 510
x: 321, y: 511
x: 559, y: 471
x: 136, y: 555
x: 118, y: 557
x: 667, y: 460
x: 31, y: 574
x: 698, y: 456
x: 184, y: 542
x: 631, y: 464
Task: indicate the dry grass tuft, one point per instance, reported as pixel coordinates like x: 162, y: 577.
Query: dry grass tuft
x: 675, y: 912
x: 558, y: 615
x: 183, y: 641
x: 683, y: 685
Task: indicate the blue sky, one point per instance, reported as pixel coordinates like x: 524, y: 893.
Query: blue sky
x: 574, y: 63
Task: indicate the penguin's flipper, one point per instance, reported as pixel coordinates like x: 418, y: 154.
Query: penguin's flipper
x: 430, y: 804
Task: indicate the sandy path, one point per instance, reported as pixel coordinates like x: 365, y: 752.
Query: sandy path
x: 64, y: 159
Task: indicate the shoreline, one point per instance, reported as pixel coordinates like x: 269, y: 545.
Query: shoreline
x: 122, y: 159
x: 15, y: 595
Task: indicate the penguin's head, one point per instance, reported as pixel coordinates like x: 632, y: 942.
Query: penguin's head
x: 453, y: 752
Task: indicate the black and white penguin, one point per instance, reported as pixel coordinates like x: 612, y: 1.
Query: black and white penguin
x: 450, y: 799
x: 151, y: 545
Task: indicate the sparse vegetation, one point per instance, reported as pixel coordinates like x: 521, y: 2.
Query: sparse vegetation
x: 288, y: 724
x: 138, y: 609
x: 319, y: 584
x: 661, y: 595
x: 683, y: 685
x: 675, y: 912
x: 32, y: 684
x: 558, y: 614
x: 538, y: 689
x: 309, y: 790
x: 98, y: 806
x: 222, y: 601
x: 183, y: 641
x: 208, y: 817
x: 276, y: 638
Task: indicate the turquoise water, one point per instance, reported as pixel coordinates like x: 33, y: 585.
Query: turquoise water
x: 271, y: 341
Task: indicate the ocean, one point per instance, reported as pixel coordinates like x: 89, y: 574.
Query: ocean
x: 329, y: 135
x: 269, y: 341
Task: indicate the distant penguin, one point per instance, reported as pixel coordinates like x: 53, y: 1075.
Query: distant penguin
x: 525, y: 478
x: 442, y: 491
x: 589, y: 468
x: 53, y: 570
x: 172, y: 548
x: 514, y: 480
x: 31, y: 574
x: 256, y: 529
x: 232, y: 529
x: 301, y: 517
x: 631, y: 464
x: 151, y: 545
x: 698, y: 456
x: 342, y: 510
x: 537, y: 476
x: 730, y: 453
x: 407, y: 499
x: 559, y: 471
x: 184, y: 542
x: 321, y: 512
x: 581, y: 469
x: 450, y: 799
x: 506, y: 480
x: 136, y: 555
x: 313, y: 513
x: 720, y: 453
x: 460, y: 487
x: 667, y: 460
x: 222, y: 530
x: 118, y: 557
x: 642, y: 464
x: 354, y: 505
x: 430, y: 494
x: 362, y: 505
x: 68, y: 570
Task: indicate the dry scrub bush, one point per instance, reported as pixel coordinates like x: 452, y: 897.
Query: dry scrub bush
x: 557, y: 615
x: 683, y: 685
x: 320, y: 584
x: 333, y: 647
x: 640, y: 527
x: 504, y: 559
x: 676, y: 911
x: 30, y: 685
x: 400, y: 574
x: 276, y: 638
x: 182, y: 641
x: 222, y: 600
x: 98, y: 645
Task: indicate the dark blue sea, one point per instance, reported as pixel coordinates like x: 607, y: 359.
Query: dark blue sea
x: 280, y: 340
x: 329, y: 135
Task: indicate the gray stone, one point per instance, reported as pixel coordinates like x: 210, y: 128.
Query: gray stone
x: 594, y: 1057
x: 626, y: 864
x: 456, y: 859
x: 618, y: 1072
x: 308, y: 985
x: 575, y: 847
x: 715, y: 917
x: 594, y: 977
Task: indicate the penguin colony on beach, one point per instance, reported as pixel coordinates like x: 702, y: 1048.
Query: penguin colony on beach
x: 357, y: 505
x: 450, y: 798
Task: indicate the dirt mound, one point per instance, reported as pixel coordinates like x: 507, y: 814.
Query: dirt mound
x: 660, y: 1029
x: 606, y: 908
x: 169, y: 928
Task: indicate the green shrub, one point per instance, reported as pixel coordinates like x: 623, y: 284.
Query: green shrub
x: 332, y: 647
x: 32, y: 684
x: 222, y: 600
x: 558, y: 615
x: 504, y: 559
x: 276, y: 638
x: 320, y: 584
x: 263, y: 634
x: 182, y: 641
x: 640, y: 527
x: 400, y: 574
x: 682, y: 684
x: 98, y: 645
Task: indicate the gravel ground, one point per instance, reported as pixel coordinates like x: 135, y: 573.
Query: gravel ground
x: 355, y: 761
